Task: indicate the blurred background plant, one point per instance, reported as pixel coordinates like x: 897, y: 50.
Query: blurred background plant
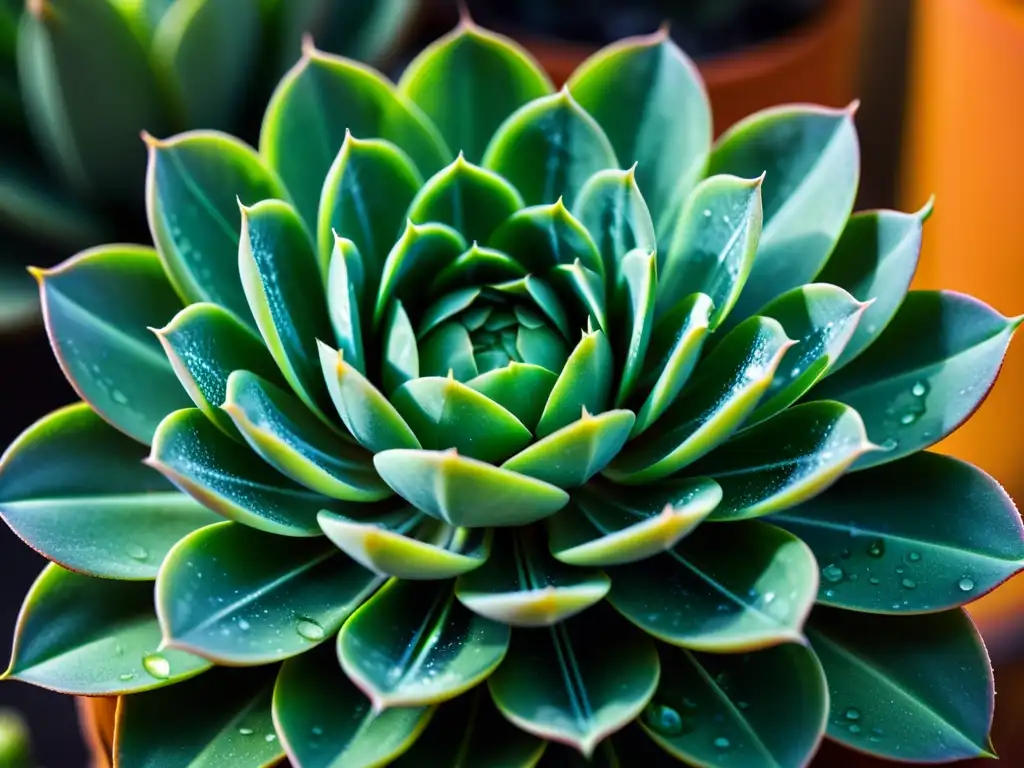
x: 15, y: 745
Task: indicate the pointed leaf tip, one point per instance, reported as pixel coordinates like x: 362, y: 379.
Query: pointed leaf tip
x: 927, y: 209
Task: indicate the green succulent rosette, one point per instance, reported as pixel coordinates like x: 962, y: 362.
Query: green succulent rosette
x: 470, y: 423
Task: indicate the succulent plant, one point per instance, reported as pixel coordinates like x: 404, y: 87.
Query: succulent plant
x: 446, y: 422
x: 15, y: 743
x: 80, y: 78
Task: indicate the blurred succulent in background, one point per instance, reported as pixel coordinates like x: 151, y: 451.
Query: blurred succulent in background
x: 468, y: 420
x: 79, y: 79
x: 15, y: 744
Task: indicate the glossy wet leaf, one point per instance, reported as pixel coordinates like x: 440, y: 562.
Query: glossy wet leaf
x: 584, y: 382
x: 548, y: 149
x: 890, y: 700
x: 521, y: 584
x: 466, y: 492
x: 925, y: 374
x: 649, y: 98
x: 821, y: 318
x: 98, y: 307
x: 604, y: 524
x: 325, y: 721
x: 222, y: 717
x: 612, y: 208
x: 365, y: 412
x: 279, y: 268
x: 556, y: 682
x: 239, y: 596
x: 414, y: 644
x: 676, y: 343
x: 874, y: 260
x: 541, y: 237
x: 811, y: 160
x: 193, y: 184
x: 416, y: 258
x: 338, y: 96
x: 895, y: 538
x: 576, y: 452
x: 724, y: 588
x: 785, y: 460
x: 448, y: 351
x: 585, y: 290
x: 520, y: 388
x: 760, y: 710
x: 75, y: 490
x: 445, y: 413
x: 722, y: 393
x: 205, y: 344
x: 289, y: 438
x: 224, y: 476
x: 348, y: 314
x: 638, y: 274
x: 86, y: 636
x: 401, y: 363
x: 714, y: 244
x: 408, y: 544
x: 469, y: 731
x: 471, y: 65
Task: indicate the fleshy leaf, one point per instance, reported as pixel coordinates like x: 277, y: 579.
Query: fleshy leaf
x: 323, y: 719
x: 401, y: 361
x: 521, y: 584
x: 723, y: 392
x: 365, y: 196
x: 676, y: 343
x: 874, y: 260
x: 556, y: 682
x: 98, y: 306
x: 573, y: 454
x: 279, y: 269
x: 466, y: 492
x: 227, y: 478
x: 895, y: 539
x: 75, y: 490
x: 408, y: 544
x: 607, y: 525
x: 638, y: 275
x: 447, y: 414
x: 693, y: 597
x: 448, y: 351
x: 520, y: 388
x: 925, y: 374
x: 414, y: 644
x: 345, y: 285
x: 97, y: 637
x: 418, y: 256
x: 785, y: 460
x: 889, y: 699
x: 322, y: 98
x: 470, y: 731
x: 205, y: 344
x: 472, y: 66
x: 584, y: 382
x: 543, y: 236
x: 811, y: 160
x: 714, y: 245
x: 366, y: 413
x: 650, y: 100
x: 220, y: 718
x: 821, y: 318
x: 470, y: 199
x: 613, y: 211
x: 193, y: 184
x: 586, y: 289
x: 549, y: 148
x: 238, y: 596
x: 765, y: 710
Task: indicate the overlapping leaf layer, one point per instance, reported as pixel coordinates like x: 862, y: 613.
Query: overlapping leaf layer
x: 470, y: 423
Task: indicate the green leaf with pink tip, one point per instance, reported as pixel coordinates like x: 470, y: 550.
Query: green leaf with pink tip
x: 556, y: 682
x: 606, y: 524
x: 756, y: 597
x: 408, y: 544
x: 413, y: 644
x: 724, y: 390
x: 523, y: 585
x: 465, y: 492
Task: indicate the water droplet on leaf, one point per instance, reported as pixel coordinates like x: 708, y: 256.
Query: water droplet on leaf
x: 876, y: 548
x: 136, y: 552
x: 852, y: 714
x: 832, y: 573
x: 663, y: 719
x: 909, y: 584
x: 157, y: 666
x: 309, y: 629
x: 245, y: 731
x: 966, y: 584
x: 721, y: 743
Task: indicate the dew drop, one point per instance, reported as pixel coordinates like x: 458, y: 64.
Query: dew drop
x: 891, y: 444
x: 909, y: 418
x: 127, y: 676
x: 270, y: 737
x: 832, y: 573
x: 707, y: 213
x: 245, y: 731
x: 243, y: 624
x: 876, y: 548
x: 875, y: 580
x: 852, y: 714
x: 663, y: 719
x: 309, y: 629
x: 317, y: 730
x: 966, y: 584
x: 914, y: 557
x: 136, y: 552
x: 853, y: 728
x: 119, y: 397
x: 721, y: 743
x: 920, y: 389
x: 157, y: 666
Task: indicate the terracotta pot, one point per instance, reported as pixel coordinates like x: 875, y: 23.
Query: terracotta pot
x: 816, y: 63
x: 966, y: 106
x: 96, y: 716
